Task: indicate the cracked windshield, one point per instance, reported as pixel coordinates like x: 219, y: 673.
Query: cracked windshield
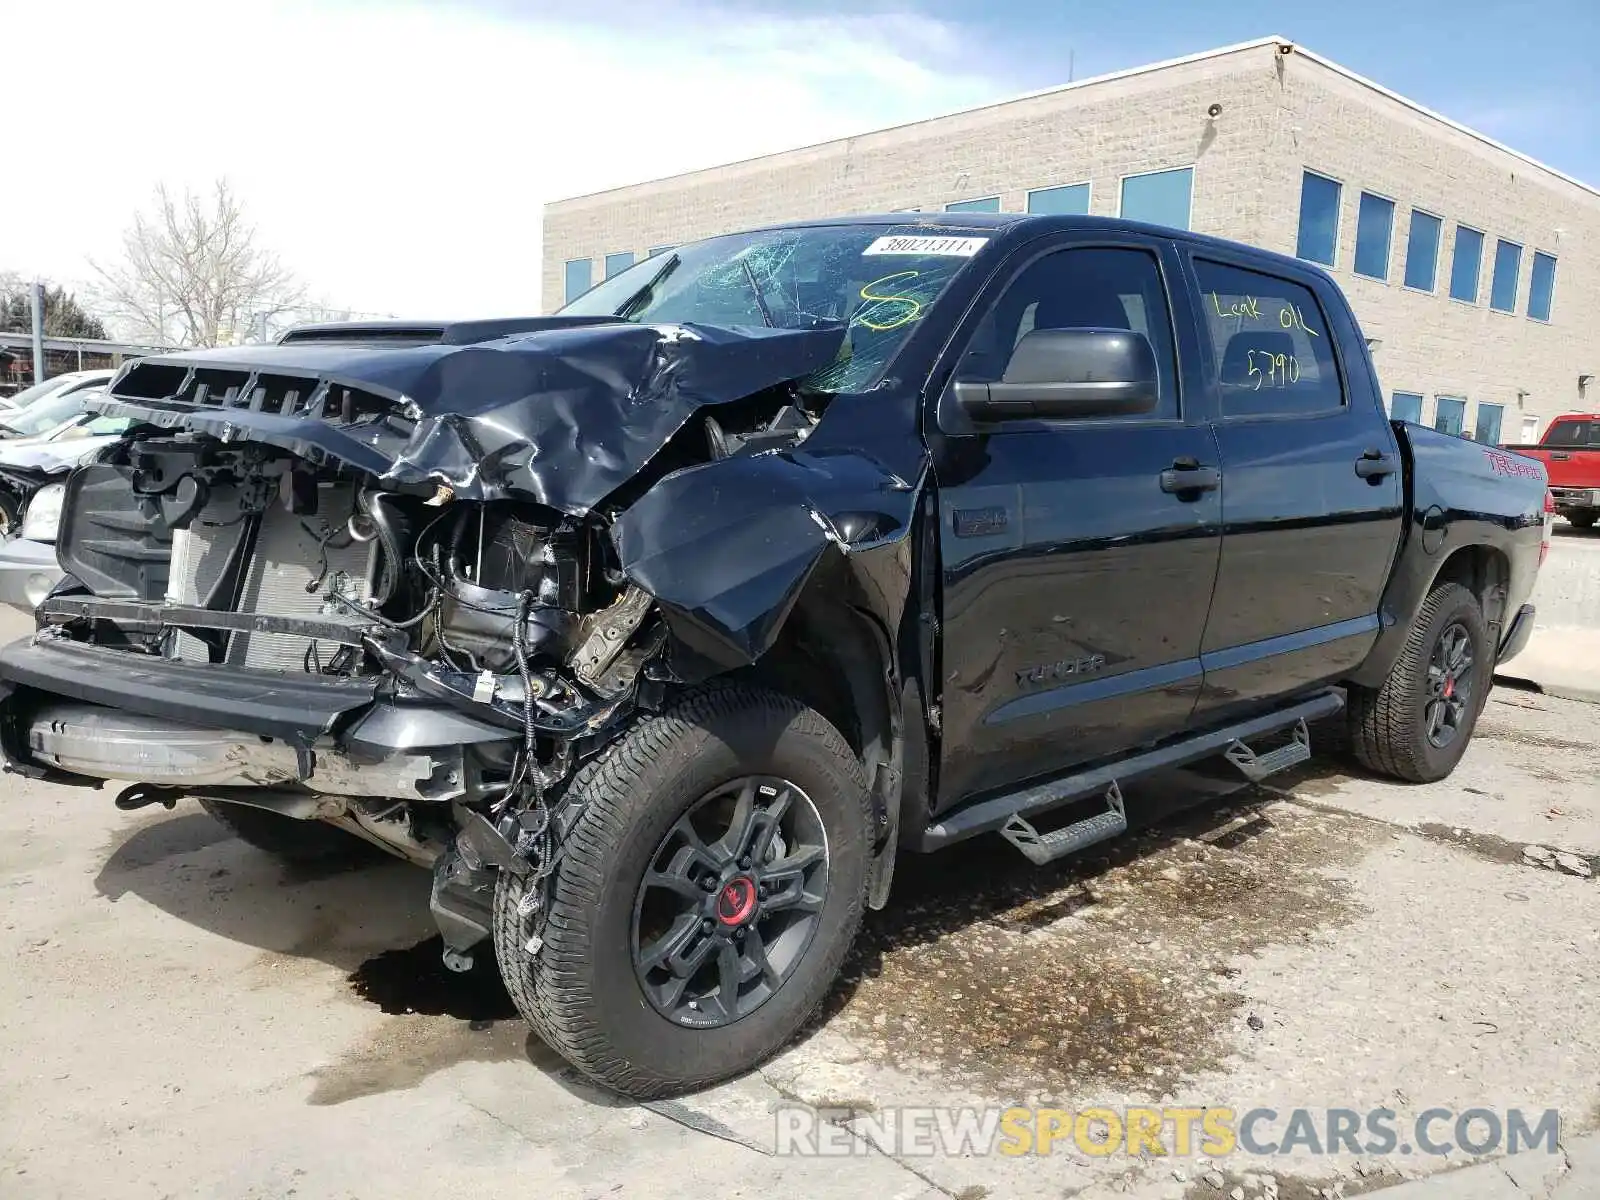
x: 877, y: 281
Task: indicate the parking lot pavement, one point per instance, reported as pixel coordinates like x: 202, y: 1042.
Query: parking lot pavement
x: 183, y: 1017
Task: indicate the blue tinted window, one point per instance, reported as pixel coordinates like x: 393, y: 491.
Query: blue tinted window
x: 618, y: 262
x: 1503, y: 288
x: 578, y: 277
x: 985, y: 204
x: 1406, y: 406
x: 1467, y: 264
x: 1271, y: 343
x: 1374, y: 230
x: 1161, y: 198
x: 1069, y: 201
x: 1541, y: 288
x: 1488, y: 427
x: 1450, y: 415
x: 655, y: 250
x: 1422, y: 251
x: 1319, y: 219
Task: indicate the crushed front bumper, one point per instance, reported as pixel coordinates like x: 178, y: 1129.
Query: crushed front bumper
x: 28, y: 570
x: 367, y: 719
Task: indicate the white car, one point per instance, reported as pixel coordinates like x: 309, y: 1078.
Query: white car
x: 33, y: 475
x: 48, y: 413
x: 56, y: 385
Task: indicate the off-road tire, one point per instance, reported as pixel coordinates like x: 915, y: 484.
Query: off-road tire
x: 1582, y: 520
x: 289, y: 838
x: 1330, y: 736
x: 1388, y: 725
x: 580, y: 991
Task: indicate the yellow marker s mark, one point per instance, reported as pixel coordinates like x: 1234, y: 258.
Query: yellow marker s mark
x: 910, y: 308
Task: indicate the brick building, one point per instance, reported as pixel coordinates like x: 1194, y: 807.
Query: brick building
x: 1474, y: 269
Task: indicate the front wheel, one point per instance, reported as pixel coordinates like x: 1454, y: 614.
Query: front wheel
x: 1416, y: 726
x: 706, y: 895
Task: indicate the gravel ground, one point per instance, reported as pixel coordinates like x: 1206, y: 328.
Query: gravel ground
x: 184, y: 1017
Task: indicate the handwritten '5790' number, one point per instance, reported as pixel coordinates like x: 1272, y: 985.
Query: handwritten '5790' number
x: 1271, y: 370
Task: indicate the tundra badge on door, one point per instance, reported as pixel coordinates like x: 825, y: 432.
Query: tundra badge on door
x: 1055, y: 672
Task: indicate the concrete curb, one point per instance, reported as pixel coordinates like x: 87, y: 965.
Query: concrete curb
x: 1574, y: 1174
x: 1560, y: 660
x: 1587, y: 695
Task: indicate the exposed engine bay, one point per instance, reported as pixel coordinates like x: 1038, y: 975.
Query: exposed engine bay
x: 343, y: 577
x: 434, y: 654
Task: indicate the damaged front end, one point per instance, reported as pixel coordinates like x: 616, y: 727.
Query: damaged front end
x: 409, y: 590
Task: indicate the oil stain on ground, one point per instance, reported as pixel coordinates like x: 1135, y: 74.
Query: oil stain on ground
x: 1104, y: 970
x: 415, y: 980
x: 438, y: 1018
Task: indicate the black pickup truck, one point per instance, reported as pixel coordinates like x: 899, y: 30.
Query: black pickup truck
x: 657, y: 628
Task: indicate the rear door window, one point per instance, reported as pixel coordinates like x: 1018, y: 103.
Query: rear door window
x: 1272, y: 350
x: 1573, y: 433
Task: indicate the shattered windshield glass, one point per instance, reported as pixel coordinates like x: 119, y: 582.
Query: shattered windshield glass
x: 877, y: 281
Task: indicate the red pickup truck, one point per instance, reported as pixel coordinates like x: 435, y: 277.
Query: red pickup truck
x: 1570, y: 452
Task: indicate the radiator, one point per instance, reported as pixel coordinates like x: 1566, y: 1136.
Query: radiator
x: 286, y: 557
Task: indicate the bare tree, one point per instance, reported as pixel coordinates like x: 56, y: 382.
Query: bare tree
x: 191, y: 273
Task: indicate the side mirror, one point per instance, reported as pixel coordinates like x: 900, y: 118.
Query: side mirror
x: 1069, y: 373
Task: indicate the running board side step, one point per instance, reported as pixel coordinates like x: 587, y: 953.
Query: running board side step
x: 1256, y: 767
x: 1013, y: 810
x: 1040, y: 848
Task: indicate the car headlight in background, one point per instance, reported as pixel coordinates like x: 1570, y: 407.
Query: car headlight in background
x: 43, y: 517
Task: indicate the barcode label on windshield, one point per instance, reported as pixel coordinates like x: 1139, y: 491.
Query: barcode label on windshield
x: 954, y: 247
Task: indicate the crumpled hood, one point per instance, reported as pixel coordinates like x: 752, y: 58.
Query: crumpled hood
x: 562, y: 413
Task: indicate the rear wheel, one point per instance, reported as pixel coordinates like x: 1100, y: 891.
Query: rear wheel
x: 289, y: 838
x: 706, y: 896
x: 1417, y: 724
x: 1584, y: 520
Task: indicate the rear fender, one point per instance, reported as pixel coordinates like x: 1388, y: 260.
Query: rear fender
x: 1475, y: 514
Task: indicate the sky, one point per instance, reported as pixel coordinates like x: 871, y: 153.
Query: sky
x: 396, y: 153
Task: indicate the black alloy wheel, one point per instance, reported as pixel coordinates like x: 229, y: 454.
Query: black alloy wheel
x: 731, y: 901
x: 705, y: 895
x: 1416, y: 725
x: 1450, y: 692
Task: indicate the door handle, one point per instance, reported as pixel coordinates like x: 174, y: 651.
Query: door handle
x: 1375, y: 464
x: 1186, y: 475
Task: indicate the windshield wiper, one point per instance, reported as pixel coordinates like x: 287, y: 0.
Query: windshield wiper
x: 761, y: 301
x: 634, y: 304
